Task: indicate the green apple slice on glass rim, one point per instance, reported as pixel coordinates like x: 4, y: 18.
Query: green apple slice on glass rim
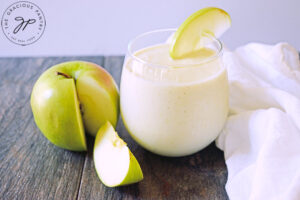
x: 193, y: 32
x: 114, y: 162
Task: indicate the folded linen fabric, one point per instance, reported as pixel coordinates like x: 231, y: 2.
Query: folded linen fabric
x: 261, y: 139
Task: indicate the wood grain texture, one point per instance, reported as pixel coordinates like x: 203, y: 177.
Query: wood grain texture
x: 30, y: 166
x: 33, y: 168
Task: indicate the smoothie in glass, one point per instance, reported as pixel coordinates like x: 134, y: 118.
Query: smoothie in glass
x: 173, y: 107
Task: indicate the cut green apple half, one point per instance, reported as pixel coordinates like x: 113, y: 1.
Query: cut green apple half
x: 71, y: 98
x: 114, y: 162
x: 193, y: 34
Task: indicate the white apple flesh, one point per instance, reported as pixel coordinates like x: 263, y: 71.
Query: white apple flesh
x: 114, y: 162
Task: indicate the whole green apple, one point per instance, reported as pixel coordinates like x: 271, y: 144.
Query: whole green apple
x: 72, y: 97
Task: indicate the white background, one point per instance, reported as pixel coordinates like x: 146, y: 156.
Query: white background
x: 94, y: 27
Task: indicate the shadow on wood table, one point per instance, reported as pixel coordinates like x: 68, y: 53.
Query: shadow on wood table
x: 32, y: 168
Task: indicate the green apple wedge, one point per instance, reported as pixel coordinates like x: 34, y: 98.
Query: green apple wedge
x: 71, y: 98
x: 114, y: 162
x: 196, y: 30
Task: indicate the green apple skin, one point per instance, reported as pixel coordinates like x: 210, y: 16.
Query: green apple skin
x: 134, y: 174
x: 187, y: 35
x: 132, y: 168
x: 72, y: 97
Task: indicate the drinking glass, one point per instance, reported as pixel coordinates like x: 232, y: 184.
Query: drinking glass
x: 173, y: 109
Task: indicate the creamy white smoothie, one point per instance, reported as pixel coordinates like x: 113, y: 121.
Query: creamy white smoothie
x: 174, y: 107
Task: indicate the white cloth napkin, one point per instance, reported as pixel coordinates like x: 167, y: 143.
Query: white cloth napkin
x: 261, y: 139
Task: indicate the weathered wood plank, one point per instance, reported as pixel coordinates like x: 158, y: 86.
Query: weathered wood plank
x: 114, y: 64
x: 200, y: 176
x: 30, y: 166
x: 33, y: 168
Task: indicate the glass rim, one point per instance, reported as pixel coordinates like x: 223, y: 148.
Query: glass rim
x: 207, y: 60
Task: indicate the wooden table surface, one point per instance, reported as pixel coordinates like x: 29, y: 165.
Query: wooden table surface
x: 32, y: 168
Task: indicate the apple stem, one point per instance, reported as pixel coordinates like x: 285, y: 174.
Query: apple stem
x: 81, y: 108
x: 63, y: 74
